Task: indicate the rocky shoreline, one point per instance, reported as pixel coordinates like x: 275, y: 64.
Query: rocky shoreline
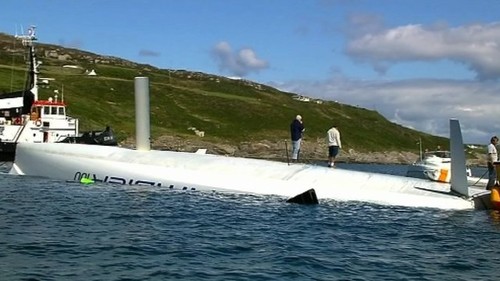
x: 311, y: 151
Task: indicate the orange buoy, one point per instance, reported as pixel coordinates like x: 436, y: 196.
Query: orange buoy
x: 495, y: 197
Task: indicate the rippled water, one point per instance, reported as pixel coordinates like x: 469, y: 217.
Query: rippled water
x: 53, y: 230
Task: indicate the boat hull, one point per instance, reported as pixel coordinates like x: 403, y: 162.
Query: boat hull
x: 7, y: 151
x: 192, y: 171
x: 427, y: 172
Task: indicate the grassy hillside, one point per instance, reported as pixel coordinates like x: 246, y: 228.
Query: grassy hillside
x: 229, y: 111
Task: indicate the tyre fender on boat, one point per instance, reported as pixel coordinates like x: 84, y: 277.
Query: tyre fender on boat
x: 38, y: 122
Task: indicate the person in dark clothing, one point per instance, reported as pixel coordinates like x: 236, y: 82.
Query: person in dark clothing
x: 296, y: 130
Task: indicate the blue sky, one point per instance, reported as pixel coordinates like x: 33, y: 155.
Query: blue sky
x: 418, y: 63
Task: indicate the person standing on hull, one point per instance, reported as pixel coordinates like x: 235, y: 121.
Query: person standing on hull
x: 334, y: 145
x: 296, y: 131
x: 492, y: 158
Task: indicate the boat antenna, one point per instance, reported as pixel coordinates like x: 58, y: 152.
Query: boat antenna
x: 420, y: 148
x: 13, y: 62
x: 27, y: 41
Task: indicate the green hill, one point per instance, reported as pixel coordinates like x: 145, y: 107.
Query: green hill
x: 228, y: 111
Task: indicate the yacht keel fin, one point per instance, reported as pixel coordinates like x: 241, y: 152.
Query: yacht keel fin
x: 308, y: 197
x: 458, y: 168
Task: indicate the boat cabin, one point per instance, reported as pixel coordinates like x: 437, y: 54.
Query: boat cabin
x: 48, y: 110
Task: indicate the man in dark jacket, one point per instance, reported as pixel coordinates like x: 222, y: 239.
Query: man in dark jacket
x: 296, y: 130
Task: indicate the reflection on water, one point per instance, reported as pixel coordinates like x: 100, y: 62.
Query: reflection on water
x: 495, y: 217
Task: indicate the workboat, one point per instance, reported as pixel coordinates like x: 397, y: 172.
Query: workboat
x: 24, y: 118
x: 436, y: 166
x: 199, y: 171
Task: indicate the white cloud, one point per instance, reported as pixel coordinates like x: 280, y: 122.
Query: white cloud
x: 239, y: 63
x: 148, y: 53
x: 477, y: 46
x: 424, y: 105
x: 76, y: 43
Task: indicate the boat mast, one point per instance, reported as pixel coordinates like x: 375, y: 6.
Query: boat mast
x: 27, y: 41
x: 420, y: 148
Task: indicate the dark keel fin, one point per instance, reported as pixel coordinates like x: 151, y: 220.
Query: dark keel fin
x: 307, y: 197
x: 483, y: 201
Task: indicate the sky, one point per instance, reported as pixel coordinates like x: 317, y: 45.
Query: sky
x: 418, y: 63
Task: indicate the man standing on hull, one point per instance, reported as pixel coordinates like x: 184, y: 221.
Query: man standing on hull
x: 334, y: 145
x: 492, y: 158
x: 296, y: 130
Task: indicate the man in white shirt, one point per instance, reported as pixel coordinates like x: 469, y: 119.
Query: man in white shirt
x: 492, y: 158
x: 334, y: 145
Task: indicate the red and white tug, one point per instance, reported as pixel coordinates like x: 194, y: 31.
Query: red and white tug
x: 25, y: 118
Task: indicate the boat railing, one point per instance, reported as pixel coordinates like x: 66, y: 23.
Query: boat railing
x: 441, y: 154
x: 21, y: 129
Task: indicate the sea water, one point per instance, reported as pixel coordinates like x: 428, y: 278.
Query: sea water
x: 57, y: 230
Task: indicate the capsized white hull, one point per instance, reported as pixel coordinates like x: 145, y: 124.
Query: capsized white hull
x: 191, y: 171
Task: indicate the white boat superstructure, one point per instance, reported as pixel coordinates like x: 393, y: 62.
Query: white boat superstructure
x: 47, y: 122
x: 205, y: 172
x: 436, y: 166
x: 25, y: 118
